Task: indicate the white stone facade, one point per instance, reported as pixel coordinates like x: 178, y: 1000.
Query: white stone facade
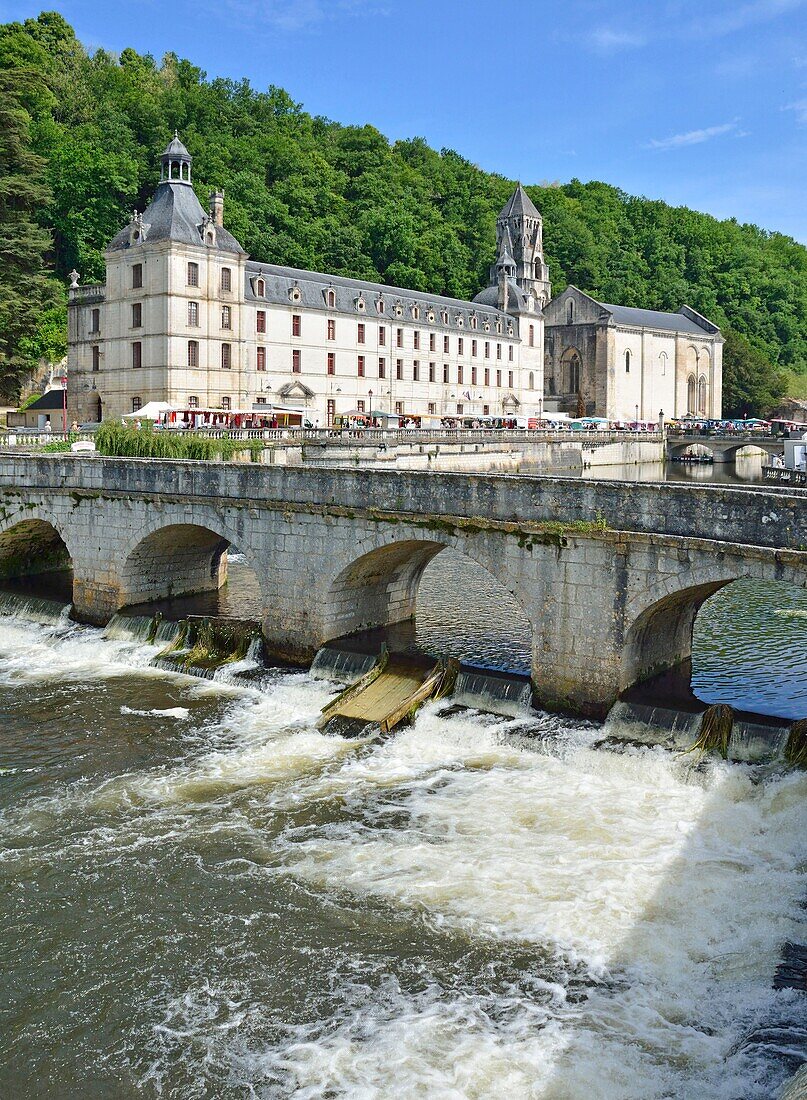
x: 187, y: 318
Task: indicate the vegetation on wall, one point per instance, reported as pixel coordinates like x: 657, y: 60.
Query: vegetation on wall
x: 306, y: 191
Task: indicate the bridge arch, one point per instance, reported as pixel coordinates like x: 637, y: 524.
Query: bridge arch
x: 32, y: 546
x: 380, y: 587
x: 175, y: 559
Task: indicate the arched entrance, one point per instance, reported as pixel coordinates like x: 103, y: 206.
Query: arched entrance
x: 34, y: 558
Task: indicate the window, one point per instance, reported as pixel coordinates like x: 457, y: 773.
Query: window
x: 226, y: 356
x: 260, y: 321
x: 474, y: 347
x: 460, y: 346
x: 360, y: 332
x: 96, y: 357
x: 260, y: 288
x: 432, y: 342
x: 627, y: 362
x: 226, y: 279
x: 261, y: 401
x: 296, y: 324
x: 137, y: 315
x: 399, y: 369
x: 137, y: 404
x: 532, y: 381
x: 445, y: 345
x: 691, y: 384
x: 416, y: 312
x: 360, y: 406
x: 487, y: 376
x: 95, y: 321
x: 574, y: 373
x: 487, y: 350
x: 193, y: 274
x: 360, y: 366
x: 432, y: 408
x: 193, y: 401
x: 225, y: 403
x: 382, y: 336
x: 486, y: 410
x: 193, y: 314
x: 382, y: 368
x: 193, y: 353
x: 498, y: 351
x: 330, y: 298
x: 473, y: 321
x: 296, y: 361
x: 260, y: 359
x: 498, y: 378
x: 702, y: 395
x: 226, y: 317
x: 473, y: 376
x: 332, y: 329
x: 460, y: 409
x: 510, y: 379
x: 331, y: 362
x: 137, y: 276
x: 137, y: 354
x: 532, y: 336
x: 459, y: 376
x: 570, y: 312
x: 445, y: 372
x: 416, y: 339
x: 416, y: 371
x: 399, y: 337
x: 663, y: 363
x: 399, y: 408
x: 330, y: 411
x: 510, y: 353
x: 431, y: 372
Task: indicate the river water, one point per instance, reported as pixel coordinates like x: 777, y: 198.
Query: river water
x: 203, y: 896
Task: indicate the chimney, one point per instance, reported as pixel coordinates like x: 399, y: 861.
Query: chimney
x: 217, y: 207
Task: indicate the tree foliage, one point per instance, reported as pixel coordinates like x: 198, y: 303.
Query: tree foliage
x: 308, y: 192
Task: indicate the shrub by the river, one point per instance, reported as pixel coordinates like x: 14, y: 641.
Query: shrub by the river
x: 116, y: 440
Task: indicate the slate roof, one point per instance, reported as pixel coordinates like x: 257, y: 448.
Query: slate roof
x: 314, y: 285
x: 519, y: 203
x: 53, y: 399
x: 654, y: 318
x: 516, y: 298
x: 175, y: 148
x: 175, y: 214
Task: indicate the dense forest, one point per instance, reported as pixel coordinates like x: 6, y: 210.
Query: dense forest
x: 79, y: 138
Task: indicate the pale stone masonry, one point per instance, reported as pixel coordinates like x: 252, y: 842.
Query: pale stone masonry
x: 186, y: 317
x: 336, y: 551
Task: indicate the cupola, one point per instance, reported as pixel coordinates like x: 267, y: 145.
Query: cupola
x: 175, y: 163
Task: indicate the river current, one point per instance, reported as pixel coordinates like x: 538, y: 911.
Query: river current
x: 204, y: 896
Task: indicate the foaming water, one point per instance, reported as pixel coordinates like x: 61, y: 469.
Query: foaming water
x: 231, y: 903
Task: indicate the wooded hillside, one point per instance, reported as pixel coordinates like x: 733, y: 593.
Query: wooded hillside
x: 309, y: 192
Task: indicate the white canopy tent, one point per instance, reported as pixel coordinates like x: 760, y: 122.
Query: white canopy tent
x: 152, y: 410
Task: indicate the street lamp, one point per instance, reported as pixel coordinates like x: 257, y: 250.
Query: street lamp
x: 637, y: 416
x: 370, y: 395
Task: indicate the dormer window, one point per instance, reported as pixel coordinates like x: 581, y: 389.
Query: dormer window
x: 330, y: 298
x: 380, y: 305
x: 398, y: 309
x: 498, y: 326
x: 361, y: 305
x: 430, y: 316
x: 444, y: 316
x: 486, y: 326
x: 211, y: 236
x: 416, y: 313
x: 294, y: 293
x: 460, y: 321
x: 260, y: 288
x: 473, y: 321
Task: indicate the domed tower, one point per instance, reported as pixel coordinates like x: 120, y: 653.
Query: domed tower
x: 175, y: 162
x: 519, y: 233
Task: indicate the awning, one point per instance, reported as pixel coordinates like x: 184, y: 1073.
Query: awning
x: 152, y: 410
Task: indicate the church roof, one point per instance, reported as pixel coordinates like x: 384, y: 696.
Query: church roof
x: 175, y: 148
x: 519, y: 203
x: 516, y: 298
x: 175, y: 214
x: 654, y: 318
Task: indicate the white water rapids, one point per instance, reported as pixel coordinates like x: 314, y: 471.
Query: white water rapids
x: 234, y: 904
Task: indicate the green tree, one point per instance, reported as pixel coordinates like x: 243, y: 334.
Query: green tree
x: 25, y: 290
x: 751, y: 385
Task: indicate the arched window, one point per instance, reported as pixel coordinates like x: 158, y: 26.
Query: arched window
x: 571, y: 371
x: 691, y: 395
x: 663, y: 363
x: 260, y: 288
x: 702, y: 396
x: 532, y: 336
x: 331, y: 298
x: 627, y: 362
x: 532, y: 381
x: 570, y: 312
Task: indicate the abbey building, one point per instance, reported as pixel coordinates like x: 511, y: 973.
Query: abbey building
x: 186, y: 317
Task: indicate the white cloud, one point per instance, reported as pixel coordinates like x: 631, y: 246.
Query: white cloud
x: 800, y: 107
x: 300, y: 14
x: 742, y: 16
x: 605, y: 40
x: 696, y: 137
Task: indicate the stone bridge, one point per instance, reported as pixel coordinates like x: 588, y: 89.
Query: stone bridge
x: 723, y: 448
x: 609, y: 574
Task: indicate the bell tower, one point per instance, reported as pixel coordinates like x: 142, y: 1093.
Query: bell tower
x: 519, y: 234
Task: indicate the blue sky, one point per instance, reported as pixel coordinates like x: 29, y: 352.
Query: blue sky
x: 699, y: 102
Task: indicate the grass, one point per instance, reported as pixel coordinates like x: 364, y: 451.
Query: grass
x: 114, y: 439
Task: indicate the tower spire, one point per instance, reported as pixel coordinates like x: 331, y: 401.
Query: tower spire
x: 519, y: 234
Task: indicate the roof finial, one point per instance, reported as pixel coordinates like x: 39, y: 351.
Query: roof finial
x: 176, y: 132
